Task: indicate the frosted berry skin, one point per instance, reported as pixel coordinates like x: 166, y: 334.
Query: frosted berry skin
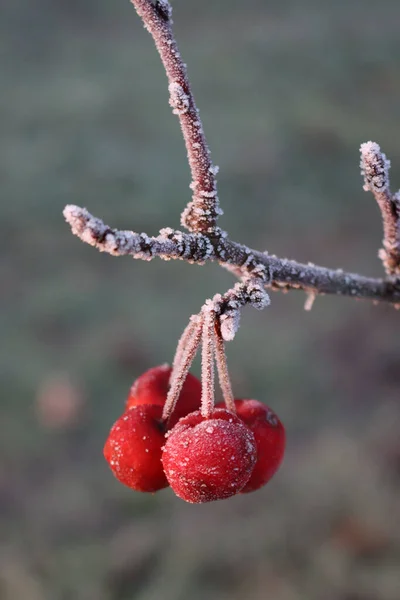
x: 133, y: 448
x: 270, y: 438
x: 209, y: 459
x: 152, y: 388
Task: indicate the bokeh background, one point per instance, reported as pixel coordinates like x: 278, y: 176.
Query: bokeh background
x: 287, y: 91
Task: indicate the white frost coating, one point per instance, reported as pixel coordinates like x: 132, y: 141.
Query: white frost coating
x: 212, y: 194
x: 258, y: 296
x: 169, y: 244
x: 166, y: 7
x: 178, y: 99
x: 221, y: 253
x: 71, y: 211
x: 166, y: 231
x: 374, y: 167
x: 197, y: 210
x: 229, y: 324
x: 110, y: 243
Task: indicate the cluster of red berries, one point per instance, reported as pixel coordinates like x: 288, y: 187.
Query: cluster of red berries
x: 202, y: 459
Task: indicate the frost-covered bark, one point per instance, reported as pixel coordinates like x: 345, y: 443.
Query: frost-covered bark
x: 375, y: 170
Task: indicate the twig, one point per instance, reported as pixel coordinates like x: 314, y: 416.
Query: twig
x: 170, y: 244
x: 198, y: 248
x: 375, y: 170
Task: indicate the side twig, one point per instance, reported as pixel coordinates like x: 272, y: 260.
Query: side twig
x: 375, y: 169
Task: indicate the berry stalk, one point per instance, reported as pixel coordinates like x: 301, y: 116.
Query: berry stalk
x: 181, y: 370
x: 207, y: 361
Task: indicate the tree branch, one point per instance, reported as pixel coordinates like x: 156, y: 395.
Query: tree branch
x: 242, y: 261
x: 207, y: 242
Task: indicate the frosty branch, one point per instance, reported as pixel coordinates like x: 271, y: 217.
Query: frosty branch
x: 206, y: 241
x: 218, y: 319
x: 375, y: 169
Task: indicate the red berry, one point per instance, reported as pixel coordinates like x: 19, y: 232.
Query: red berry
x: 133, y: 449
x: 152, y: 388
x: 270, y: 438
x: 209, y: 459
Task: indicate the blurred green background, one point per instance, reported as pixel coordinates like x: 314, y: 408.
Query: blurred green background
x: 287, y: 91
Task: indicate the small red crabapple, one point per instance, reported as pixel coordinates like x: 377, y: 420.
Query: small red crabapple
x: 209, y: 459
x: 270, y: 438
x: 152, y: 388
x: 133, y: 448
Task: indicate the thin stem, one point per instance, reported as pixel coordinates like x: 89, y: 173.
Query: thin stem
x: 179, y: 378
x: 223, y: 373
x: 207, y: 362
x: 375, y: 170
x: 184, y: 341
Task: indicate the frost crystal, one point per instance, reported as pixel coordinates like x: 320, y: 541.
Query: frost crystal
x: 179, y: 100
